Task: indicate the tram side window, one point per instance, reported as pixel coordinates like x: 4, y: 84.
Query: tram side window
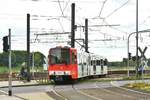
x: 91, y: 62
x: 101, y: 61
x: 74, y: 57
x: 105, y: 62
x: 88, y: 60
x: 49, y: 59
x: 97, y: 62
x: 84, y: 60
x: 79, y: 59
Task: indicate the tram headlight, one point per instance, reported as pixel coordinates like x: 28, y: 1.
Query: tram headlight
x: 51, y: 72
x: 67, y: 72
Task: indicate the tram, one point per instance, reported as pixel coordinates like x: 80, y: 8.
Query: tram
x: 67, y: 64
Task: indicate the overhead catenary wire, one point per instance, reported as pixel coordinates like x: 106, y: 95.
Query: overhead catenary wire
x: 117, y: 9
x: 66, y: 5
x: 102, y: 8
x: 62, y: 15
x: 114, y: 27
x: 144, y: 21
x: 60, y: 8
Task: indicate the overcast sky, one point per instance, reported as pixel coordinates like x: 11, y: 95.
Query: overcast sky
x: 53, y: 16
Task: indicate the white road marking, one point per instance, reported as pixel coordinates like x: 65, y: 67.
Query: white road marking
x: 3, y: 92
x: 59, y: 94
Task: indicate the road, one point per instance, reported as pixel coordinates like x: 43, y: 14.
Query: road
x: 84, y: 91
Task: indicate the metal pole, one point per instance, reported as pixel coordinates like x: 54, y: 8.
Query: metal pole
x: 10, y: 72
x: 73, y: 25
x: 28, y: 47
x: 128, y: 54
x: 33, y: 65
x: 128, y: 57
x: 137, y: 58
x: 86, y: 35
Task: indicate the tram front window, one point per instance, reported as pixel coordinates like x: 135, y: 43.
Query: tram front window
x: 60, y: 56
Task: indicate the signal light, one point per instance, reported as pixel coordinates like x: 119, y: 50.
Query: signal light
x: 129, y: 55
x: 134, y: 58
x: 5, y: 44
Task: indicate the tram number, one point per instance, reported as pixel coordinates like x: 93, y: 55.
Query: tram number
x: 59, y: 72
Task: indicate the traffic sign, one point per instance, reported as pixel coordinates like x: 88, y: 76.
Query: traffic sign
x: 143, y: 52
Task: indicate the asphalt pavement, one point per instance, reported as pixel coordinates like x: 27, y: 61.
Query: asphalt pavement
x: 108, y: 89
x: 22, y: 96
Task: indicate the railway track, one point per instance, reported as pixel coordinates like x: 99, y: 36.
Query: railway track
x: 125, y: 72
x: 70, y: 92
x: 95, y: 91
x: 59, y: 94
x: 111, y: 92
x: 56, y: 95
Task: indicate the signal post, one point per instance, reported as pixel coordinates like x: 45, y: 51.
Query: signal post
x: 10, y: 72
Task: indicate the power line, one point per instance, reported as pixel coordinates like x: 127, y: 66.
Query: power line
x: 61, y: 25
x: 66, y: 5
x: 102, y: 8
x: 117, y: 9
x: 60, y: 8
x: 105, y: 34
x: 145, y: 20
x: 115, y: 28
x: 54, y: 33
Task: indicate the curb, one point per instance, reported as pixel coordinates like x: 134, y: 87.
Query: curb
x: 24, y: 85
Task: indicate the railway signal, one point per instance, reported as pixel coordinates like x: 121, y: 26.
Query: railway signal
x: 10, y: 69
x: 143, y: 62
x: 129, y: 55
x: 5, y: 44
x: 143, y: 52
x: 134, y: 58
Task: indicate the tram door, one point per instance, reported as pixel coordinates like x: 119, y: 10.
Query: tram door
x: 94, y: 66
x: 102, y: 66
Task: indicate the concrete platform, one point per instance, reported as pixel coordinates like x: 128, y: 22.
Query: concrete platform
x: 6, y: 97
x: 35, y: 96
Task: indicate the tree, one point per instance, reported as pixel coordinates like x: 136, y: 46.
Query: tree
x: 38, y: 59
x: 19, y: 57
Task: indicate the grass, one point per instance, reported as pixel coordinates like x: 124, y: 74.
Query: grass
x: 6, y: 69
x: 3, y: 69
x: 139, y: 86
x: 120, y: 68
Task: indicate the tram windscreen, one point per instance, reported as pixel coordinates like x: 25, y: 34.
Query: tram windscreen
x: 59, y: 56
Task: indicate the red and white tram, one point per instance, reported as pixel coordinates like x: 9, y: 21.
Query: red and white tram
x: 65, y: 63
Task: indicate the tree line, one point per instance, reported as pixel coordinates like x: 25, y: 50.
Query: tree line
x: 123, y: 63
x: 20, y: 57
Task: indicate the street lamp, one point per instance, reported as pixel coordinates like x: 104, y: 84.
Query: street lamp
x: 128, y: 53
x: 143, y: 31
